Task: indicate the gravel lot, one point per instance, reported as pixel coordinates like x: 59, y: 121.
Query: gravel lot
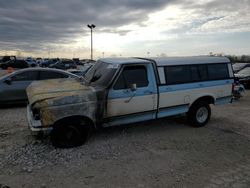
x: 162, y: 153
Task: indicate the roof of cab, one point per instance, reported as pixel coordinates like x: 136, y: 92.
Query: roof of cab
x: 163, y: 61
x: 124, y: 60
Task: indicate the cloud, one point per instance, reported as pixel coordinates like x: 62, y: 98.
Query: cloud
x: 34, y: 25
x: 34, y: 22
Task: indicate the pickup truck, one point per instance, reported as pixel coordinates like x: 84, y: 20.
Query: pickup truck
x: 117, y: 91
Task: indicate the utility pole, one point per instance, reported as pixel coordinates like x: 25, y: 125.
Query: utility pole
x: 92, y: 26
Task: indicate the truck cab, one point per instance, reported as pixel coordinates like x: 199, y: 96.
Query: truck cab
x: 118, y: 91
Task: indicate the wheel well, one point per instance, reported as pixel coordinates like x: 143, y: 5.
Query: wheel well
x: 76, y: 119
x: 208, y: 99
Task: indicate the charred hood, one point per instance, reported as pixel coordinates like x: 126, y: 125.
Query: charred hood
x: 59, y: 90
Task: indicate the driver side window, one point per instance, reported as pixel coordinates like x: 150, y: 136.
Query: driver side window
x: 132, y: 75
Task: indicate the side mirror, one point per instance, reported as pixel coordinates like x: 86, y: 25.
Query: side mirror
x: 132, y: 87
x: 8, y: 81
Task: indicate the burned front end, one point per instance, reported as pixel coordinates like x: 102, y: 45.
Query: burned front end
x: 54, y: 100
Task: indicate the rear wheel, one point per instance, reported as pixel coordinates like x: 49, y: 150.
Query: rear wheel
x: 70, y: 134
x: 199, y: 114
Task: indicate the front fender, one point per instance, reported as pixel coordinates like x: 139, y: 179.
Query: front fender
x: 50, y: 115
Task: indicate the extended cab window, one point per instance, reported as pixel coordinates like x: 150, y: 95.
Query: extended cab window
x: 178, y: 74
x: 198, y: 73
x: 185, y: 74
x: 132, y: 75
x: 195, y: 73
x: 218, y: 71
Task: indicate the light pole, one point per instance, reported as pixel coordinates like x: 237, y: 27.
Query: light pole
x: 92, y: 26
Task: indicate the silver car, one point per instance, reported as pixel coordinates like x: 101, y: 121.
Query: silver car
x: 13, y: 86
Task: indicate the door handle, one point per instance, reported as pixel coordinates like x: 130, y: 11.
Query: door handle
x: 200, y: 85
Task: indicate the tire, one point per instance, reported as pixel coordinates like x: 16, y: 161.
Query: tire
x: 69, y: 134
x: 199, y: 114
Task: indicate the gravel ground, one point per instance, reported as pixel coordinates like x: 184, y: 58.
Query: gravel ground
x: 162, y: 153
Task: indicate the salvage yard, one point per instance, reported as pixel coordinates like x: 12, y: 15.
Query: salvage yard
x: 162, y: 153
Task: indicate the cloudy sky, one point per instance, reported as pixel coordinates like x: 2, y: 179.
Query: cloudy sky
x: 124, y: 27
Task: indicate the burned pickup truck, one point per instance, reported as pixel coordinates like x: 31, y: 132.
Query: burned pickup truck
x: 117, y: 91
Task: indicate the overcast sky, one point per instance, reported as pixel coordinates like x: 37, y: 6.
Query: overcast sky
x: 124, y: 27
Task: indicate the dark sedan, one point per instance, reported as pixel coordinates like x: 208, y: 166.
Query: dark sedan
x: 13, y: 86
x: 243, y: 77
x: 14, y: 64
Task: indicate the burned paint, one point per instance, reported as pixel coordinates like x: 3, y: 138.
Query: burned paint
x: 57, y: 99
x: 51, y: 101
x: 42, y: 90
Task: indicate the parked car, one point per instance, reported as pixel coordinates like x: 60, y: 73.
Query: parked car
x: 83, y: 70
x: 7, y: 58
x: 88, y: 61
x: 31, y: 62
x: 39, y: 60
x: 86, y: 67
x: 15, y: 63
x: 48, y: 62
x: 13, y: 86
x: 239, y: 66
x: 243, y: 76
x: 77, y: 61
x: 128, y: 90
x: 64, y: 64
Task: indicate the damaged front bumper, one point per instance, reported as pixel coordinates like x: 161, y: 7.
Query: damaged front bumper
x: 35, y: 125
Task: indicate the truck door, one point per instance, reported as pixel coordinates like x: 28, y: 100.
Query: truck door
x: 133, y: 96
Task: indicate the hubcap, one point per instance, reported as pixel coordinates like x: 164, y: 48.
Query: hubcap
x: 70, y: 134
x: 202, y: 114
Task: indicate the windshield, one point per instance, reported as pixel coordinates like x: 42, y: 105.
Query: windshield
x: 245, y: 71
x: 101, y: 73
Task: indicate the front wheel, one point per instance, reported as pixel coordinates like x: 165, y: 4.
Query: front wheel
x: 199, y: 114
x: 69, y: 135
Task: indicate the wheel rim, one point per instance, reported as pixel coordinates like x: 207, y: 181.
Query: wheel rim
x: 202, y: 114
x: 69, y: 135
